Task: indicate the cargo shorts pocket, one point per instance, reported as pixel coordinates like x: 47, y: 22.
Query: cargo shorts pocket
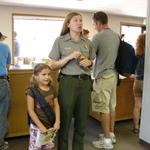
x: 96, y: 101
x: 108, y: 76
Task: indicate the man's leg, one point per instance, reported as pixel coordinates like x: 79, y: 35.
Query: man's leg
x: 107, y: 103
x: 105, y: 122
x: 112, y: 121
x: 4, y: 105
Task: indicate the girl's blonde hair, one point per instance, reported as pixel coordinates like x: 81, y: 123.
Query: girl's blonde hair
x: 140, y: 44
x: 65, y: 28
x: 37, y: 69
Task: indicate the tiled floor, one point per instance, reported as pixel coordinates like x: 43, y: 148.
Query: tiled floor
x: 126, y: 140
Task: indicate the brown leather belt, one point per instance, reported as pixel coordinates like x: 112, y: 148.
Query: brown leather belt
x: 3, y: 77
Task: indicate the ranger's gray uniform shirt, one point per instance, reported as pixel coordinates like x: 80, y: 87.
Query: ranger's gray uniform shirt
x: 106, y: 44
x: 64, y: 45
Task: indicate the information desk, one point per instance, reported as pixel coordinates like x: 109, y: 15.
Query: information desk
x: 19, y: 81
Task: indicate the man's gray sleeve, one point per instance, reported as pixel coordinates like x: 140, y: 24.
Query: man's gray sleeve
x: 95, y: 43
x: 92, y: 51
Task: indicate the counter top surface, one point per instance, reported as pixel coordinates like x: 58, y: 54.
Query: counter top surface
x: 21, y: 67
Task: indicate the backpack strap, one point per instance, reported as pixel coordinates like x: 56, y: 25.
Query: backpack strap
x: 44, y: 106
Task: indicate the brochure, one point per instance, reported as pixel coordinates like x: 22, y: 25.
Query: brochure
x: 47, y: 138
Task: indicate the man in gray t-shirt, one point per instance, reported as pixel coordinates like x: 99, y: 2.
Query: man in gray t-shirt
x: 106, y: 44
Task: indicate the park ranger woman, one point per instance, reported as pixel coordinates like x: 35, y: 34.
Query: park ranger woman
x: 73, y: 55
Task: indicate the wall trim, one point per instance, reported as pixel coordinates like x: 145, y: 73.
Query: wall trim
x: 145, y: 144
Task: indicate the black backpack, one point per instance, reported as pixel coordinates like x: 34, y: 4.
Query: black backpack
x: 44, y: 106
x: 126, y: 60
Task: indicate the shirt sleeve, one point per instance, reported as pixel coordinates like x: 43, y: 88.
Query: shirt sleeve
x: 9, y: 56
x: 55, y: 51
x: 92, y: 51
x: 29, y: 92
x: 95, y: 43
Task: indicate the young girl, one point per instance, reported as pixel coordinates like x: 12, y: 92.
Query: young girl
x: 41, y: 80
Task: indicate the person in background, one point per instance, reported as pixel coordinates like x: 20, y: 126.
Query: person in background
x: 73, y: 55
x: 41, y: 80
x: 16, y: 49
x: 85, y: 33
x: 16, y: 45
x: 5, y: 61
x: 106, y: 44
x: 138, y: 82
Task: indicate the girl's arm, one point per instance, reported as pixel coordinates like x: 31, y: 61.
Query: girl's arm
x: 57, y: 114
x: 33, y: 115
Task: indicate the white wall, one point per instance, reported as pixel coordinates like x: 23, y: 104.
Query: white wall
x: 145, y: 116
x: 7, y: 11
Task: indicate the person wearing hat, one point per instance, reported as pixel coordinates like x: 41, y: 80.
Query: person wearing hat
x: 2, y: 37
x: 5, y: 60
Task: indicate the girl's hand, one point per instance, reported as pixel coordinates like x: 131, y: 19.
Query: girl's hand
x: 56, y: 125
x: 85, y: 62
x: 43, y: 130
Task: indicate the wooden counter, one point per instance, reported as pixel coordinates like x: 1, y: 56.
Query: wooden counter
x: 19, y: 81
x: 125, y: 101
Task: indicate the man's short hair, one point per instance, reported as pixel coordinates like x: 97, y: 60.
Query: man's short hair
x: 101, y: 17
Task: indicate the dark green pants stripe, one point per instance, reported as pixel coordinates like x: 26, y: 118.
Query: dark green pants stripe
x: 74, y: 98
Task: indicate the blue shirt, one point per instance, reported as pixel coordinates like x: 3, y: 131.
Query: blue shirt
x: 5, y: 58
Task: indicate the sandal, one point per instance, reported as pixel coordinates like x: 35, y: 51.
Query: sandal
x: 136, y: 131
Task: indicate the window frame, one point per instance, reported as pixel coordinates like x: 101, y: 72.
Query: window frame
x: 29, y: 15
x: 143, y: 27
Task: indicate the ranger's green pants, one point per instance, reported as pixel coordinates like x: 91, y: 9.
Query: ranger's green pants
x: 74, y: 99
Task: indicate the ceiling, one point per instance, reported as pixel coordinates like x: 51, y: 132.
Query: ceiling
x: 135, y: 8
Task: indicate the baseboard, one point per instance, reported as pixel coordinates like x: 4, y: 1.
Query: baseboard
x: 145, y: 144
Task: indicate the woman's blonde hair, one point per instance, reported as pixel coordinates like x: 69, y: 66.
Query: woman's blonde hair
x: 140, y: 44
x: 65, y: 28
x: 37, y: 69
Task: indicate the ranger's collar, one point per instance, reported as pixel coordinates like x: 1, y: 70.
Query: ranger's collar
x: 67, y: 37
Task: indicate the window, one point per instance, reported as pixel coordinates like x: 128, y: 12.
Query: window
x: 34, y: 37
x: 131, y: 32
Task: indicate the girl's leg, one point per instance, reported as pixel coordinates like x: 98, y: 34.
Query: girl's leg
x: 33, y: 136
x: 136, y: 111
